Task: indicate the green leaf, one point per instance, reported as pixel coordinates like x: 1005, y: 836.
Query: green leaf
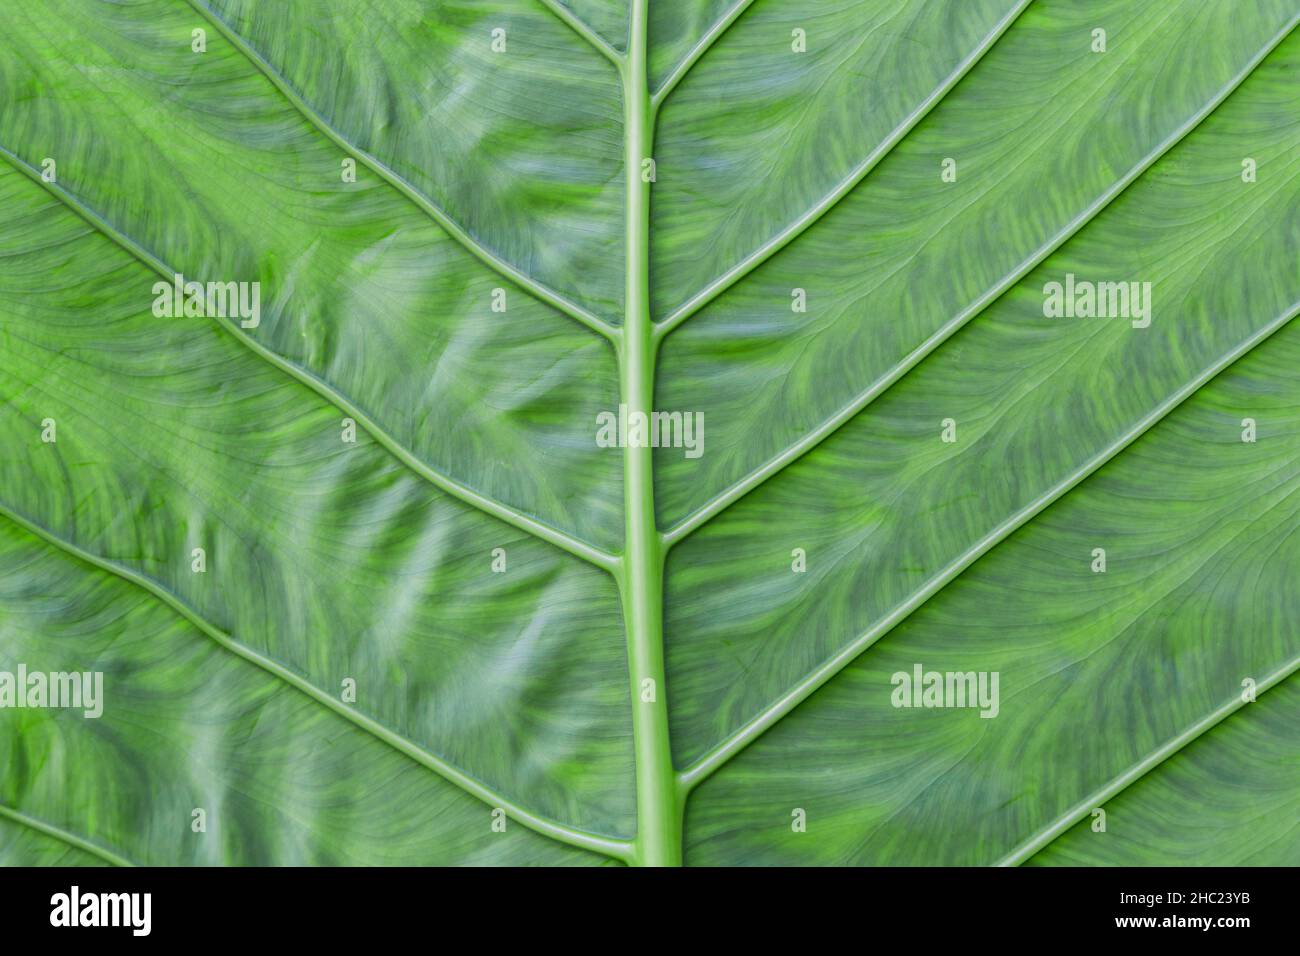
x: 474, y: 634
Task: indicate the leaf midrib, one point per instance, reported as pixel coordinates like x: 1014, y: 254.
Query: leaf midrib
x: 619, y: 849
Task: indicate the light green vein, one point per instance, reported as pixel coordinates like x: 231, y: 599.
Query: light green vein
x: 1134, y: 773
x: 737, y: 741
x: 526, y: 282
x: 808, y: 442
x: 692, y: 57
x: 600, y: 558
x: 609, y: 846
x: 80, y: 843
x: 846, y: 185
x: 586, y: 32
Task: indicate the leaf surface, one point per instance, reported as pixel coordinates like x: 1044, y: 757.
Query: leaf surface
x: 474, y: 634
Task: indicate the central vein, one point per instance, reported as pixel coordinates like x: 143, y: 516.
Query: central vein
x: 659, y: 818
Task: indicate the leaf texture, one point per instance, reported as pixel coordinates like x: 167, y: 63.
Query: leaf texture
x: 436, y: 622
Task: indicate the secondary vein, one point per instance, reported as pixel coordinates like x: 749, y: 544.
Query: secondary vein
x: 585, y: 31
x: 66, y: 836
x: 846, y: 185
x: 540, y: 529
x: 1080, y: 810
x: 702, y: 46
x: 609, y: 846
x: 842, y: 416
x: 457, y: 232
x: 738, y: 740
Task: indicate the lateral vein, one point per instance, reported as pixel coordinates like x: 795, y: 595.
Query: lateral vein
x: 812, y: 439
x: 738, y: 740
x: 702, y: 46
x: 457, y: 232
x: 540, y: 529
x: 66, y: 836
x: 609, y: 846
x: 1080, y: 810
x: 585, y: 31
x: 846, y: 185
